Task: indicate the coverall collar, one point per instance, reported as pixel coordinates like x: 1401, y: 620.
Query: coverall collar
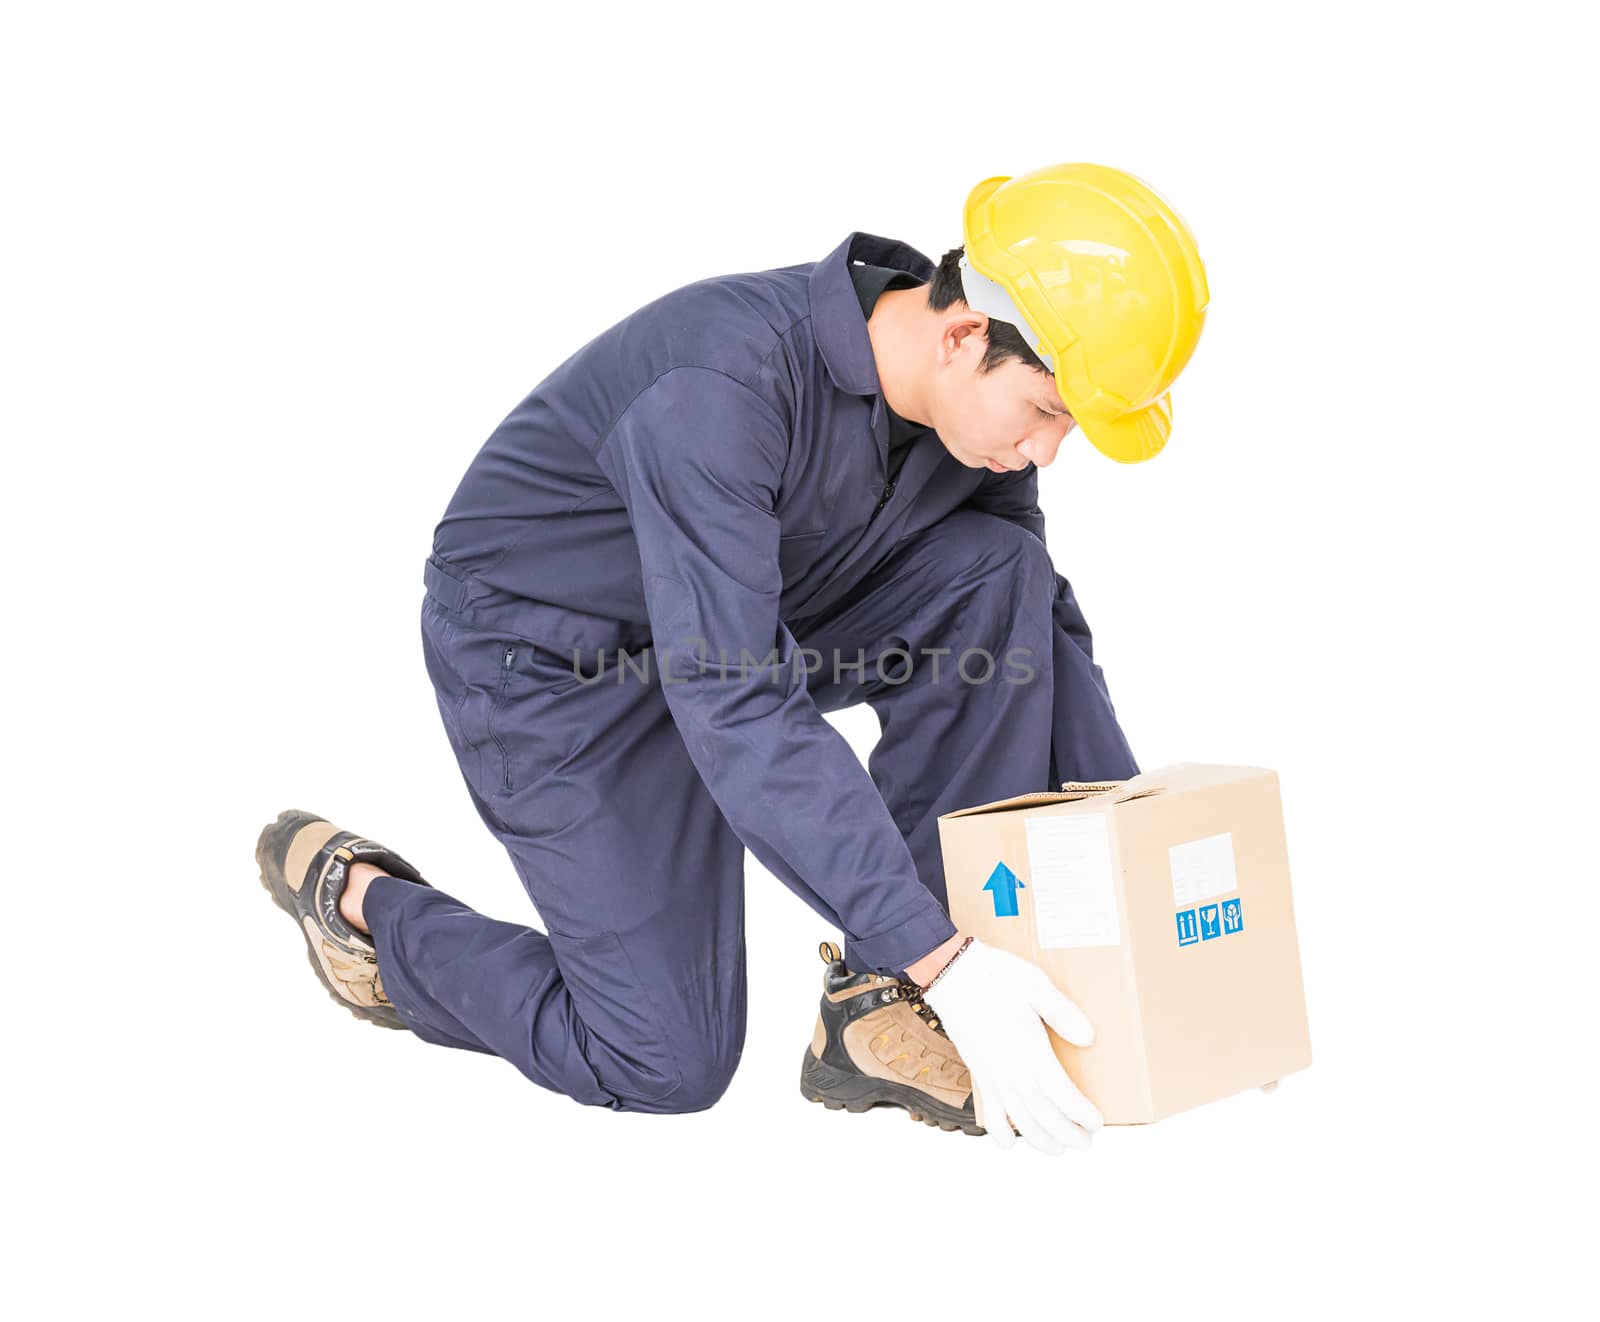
x: 836, y: 318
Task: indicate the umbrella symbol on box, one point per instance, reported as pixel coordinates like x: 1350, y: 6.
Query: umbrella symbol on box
x: 1004, y: 884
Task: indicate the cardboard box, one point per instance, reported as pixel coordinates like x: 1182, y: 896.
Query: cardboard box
x: 1160, y: 905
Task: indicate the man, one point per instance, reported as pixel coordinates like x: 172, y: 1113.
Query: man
x: 757, y: 499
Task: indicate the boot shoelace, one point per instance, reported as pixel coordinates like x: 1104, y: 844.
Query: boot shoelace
x: 909, y: 991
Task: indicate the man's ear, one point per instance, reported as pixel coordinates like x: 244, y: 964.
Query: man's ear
x: 965, y: 331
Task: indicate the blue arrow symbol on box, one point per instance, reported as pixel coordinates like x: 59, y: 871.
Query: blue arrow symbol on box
x: 1004, y: 884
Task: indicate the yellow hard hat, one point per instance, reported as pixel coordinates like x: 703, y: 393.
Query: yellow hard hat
x: 1103, y: 279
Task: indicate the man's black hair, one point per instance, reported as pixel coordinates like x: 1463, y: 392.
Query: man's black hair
x: 1005, y: 342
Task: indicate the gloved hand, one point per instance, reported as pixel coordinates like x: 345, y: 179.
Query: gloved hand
x: 992, y: 1004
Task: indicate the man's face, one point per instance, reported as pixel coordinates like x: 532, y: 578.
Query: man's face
x: 1001, y: 420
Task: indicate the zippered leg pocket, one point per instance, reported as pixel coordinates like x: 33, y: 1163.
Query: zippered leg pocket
x: 508, y: 665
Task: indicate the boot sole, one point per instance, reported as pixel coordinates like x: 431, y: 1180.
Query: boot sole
x: 274, y: 845
x: 841, y: 1091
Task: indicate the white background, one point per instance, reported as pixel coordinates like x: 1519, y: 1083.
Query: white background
x: 274, y: 272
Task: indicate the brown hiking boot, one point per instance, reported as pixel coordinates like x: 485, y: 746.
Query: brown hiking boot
x: 876, y: 1043
x: 305, y: 863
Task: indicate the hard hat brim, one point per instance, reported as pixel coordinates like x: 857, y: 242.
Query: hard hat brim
x: 1132, y: 437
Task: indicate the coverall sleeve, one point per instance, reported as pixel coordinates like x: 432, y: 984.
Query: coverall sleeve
x: 699, y: 460
x: 1015, y: 496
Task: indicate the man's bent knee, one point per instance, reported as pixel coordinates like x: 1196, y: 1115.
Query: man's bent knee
x: 976, y: 545
x: 700, y: 1085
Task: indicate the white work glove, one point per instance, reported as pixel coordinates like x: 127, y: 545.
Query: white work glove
x: 992, y: 1004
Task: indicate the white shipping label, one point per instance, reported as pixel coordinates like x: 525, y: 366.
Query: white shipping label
x: 1074, y: 894
x: 1202, y: 868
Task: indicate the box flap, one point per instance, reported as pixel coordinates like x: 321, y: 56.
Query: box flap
x: 1069, y: 792
x: 1169, y: 779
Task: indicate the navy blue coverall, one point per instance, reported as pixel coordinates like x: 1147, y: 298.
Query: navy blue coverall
x: 659, y: 572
